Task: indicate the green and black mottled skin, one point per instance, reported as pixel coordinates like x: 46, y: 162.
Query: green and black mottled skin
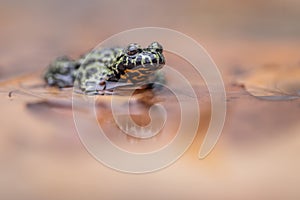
x: 100, y: 71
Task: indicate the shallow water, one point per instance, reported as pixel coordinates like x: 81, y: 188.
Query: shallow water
x: 257, y: 156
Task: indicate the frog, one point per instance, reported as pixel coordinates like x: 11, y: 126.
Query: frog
x: 100, y: 71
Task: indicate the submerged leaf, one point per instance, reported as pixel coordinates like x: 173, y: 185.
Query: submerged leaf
x: 31, y: 87
x: 273, y: 82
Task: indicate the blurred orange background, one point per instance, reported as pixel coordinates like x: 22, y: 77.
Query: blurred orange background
x: 41, y: 156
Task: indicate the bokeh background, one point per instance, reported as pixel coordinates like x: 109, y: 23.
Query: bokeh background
x: 257, y: 157
x: 34, y: 32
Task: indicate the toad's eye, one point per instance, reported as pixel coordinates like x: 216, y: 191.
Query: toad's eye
x: 133, y: 49
x: 156, y: 47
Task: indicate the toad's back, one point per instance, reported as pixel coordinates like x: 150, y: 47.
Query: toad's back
x: 99, y: 70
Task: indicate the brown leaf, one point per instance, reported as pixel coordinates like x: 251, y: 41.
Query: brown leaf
x: 273, y: 82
